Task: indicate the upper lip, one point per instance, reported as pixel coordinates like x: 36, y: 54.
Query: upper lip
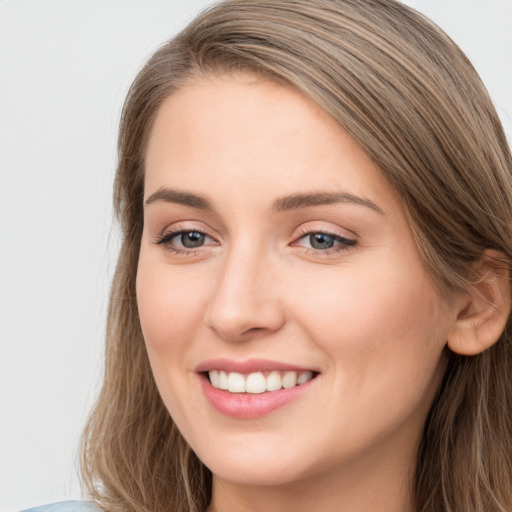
x: 249, y: 366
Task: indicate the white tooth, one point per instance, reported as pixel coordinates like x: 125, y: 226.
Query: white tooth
x: 255, y: 383
x: 214, y: 378
x: 274, y: 381
x: 223, y: 380
x: 304, y: 377
x: 236, y: 383
x: 289, y: 380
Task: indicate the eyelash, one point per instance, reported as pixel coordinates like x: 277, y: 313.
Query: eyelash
x: 344, y: 244
x: 165, y: 240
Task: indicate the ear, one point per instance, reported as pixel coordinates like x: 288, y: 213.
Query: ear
x: 483, y: 309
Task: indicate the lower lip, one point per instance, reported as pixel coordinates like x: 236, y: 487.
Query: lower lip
x: 248, y: 405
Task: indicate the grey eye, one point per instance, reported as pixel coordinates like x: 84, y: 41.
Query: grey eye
x: 192, y: 239
x: 321, y: 241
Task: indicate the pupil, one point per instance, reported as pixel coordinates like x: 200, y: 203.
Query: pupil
x: 321, y: 241
x: 192, y: 239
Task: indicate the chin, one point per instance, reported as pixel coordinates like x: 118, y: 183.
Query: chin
x: 260, y: 472
x: 265, y: 463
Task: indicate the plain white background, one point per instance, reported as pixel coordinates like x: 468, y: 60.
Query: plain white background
x: 65, y: 67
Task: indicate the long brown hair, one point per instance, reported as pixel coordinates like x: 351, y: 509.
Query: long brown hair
x: 411, y: 99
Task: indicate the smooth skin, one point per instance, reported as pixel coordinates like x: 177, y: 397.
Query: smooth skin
x: 239, y: 274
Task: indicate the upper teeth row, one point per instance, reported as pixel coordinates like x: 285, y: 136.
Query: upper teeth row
x: 257, y: 382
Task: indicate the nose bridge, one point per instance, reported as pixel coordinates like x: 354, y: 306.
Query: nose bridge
x: 244, y: 301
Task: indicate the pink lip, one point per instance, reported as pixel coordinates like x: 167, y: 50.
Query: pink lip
x: 249, y: 366
x: 248, y: 405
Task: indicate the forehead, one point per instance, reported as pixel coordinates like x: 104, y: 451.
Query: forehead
x: 248, y: 109
x: 242, y: 134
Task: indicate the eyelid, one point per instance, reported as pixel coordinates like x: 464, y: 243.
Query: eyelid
x: 166, y: 235
x: 169, y: 235
x: 339, y: 238
x: 319, y: 227
x: 345, y: 243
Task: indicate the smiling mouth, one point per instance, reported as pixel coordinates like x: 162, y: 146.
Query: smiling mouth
x: 258, y: 382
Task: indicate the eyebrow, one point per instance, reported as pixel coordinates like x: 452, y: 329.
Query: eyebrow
x: 179, y: 197
x: 285, y: 203
x: 296, y: 201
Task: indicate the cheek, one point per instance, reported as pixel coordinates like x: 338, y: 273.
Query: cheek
x: 385, y: 322
x: 170, y: 311
x: 170, y: 306
x: 383, y: 334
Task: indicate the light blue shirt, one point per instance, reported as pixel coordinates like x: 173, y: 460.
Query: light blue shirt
x: 65, y: 506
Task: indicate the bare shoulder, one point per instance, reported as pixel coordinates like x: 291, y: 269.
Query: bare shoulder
x: 65, y: 506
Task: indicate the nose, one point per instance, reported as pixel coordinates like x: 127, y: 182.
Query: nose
x: 245, y: 302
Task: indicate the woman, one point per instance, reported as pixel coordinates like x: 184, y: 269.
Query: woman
x: 311, y: 306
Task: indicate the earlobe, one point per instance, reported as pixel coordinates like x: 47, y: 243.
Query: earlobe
x: 484, y: 309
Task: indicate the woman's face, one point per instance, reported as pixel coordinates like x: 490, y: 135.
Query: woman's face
x: 275, y: 256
